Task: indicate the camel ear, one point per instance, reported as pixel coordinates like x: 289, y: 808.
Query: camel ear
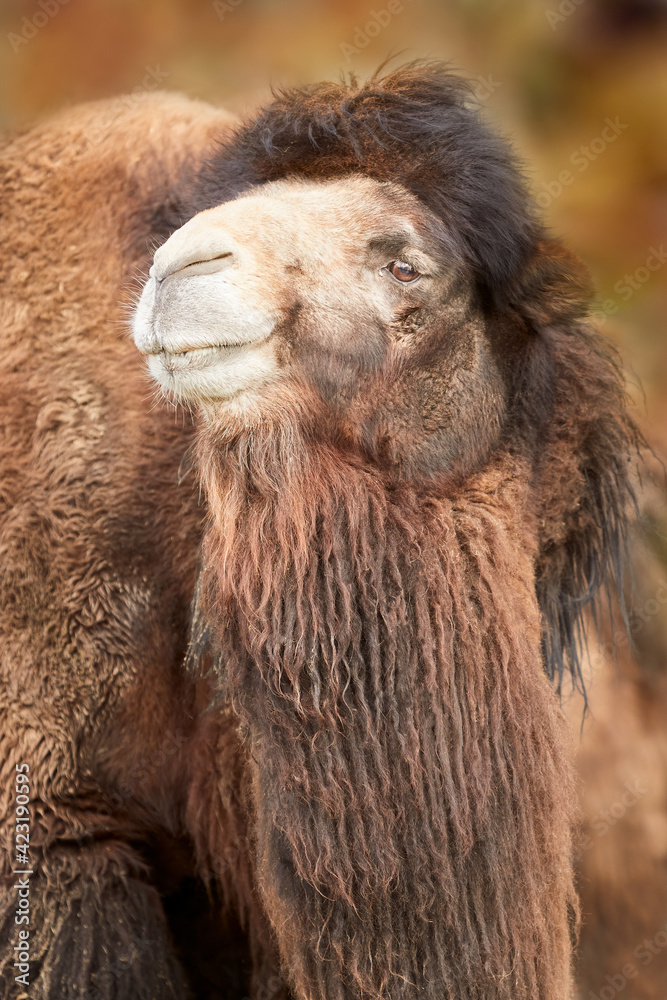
x: 554, y: 287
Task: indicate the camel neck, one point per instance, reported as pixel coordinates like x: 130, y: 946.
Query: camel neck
x: 382, y: 652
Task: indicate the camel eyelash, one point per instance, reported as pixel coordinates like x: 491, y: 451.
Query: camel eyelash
x: 417, y: 260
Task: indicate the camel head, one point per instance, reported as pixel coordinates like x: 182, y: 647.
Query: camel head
x: 309, y: 281
x: 348, y: 292
x: 368, y: 256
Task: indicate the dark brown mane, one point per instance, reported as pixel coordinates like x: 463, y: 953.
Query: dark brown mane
x: 419, y: 126
x: 591, y: 452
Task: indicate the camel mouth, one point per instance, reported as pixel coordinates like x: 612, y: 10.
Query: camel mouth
x: 197, y: 357
x: 214, y: 373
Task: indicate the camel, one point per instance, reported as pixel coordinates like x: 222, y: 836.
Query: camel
x: 278, y: 658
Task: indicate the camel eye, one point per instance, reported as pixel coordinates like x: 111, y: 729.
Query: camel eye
x: 402, y: 271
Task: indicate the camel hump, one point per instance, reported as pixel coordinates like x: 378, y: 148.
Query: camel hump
x: 123, y: 128
x: 85, y: 196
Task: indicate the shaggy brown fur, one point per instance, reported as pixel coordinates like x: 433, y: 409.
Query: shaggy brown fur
x: 379, y: 587
x: 98, y: 554
x: 377, y: 610
x: 397, y: 726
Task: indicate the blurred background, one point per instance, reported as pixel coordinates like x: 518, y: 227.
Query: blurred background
x: 580, y: 85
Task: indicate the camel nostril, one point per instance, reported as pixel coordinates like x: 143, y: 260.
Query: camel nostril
x: 188, y: 264
x: 208, y: 265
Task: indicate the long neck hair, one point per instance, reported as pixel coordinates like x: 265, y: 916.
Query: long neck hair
x: 381, y: 646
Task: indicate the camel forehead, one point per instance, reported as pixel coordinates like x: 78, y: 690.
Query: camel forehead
x: 307, y: 216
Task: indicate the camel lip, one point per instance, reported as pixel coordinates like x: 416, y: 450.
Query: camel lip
x: 194, y: 359
x: 204, y: 349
